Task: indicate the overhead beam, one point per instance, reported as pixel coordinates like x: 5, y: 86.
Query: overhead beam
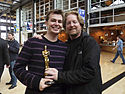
x: 5, y: 24
x: 20, y: 4
x: 5, y: 3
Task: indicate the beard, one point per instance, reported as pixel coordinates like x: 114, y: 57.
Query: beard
x: 73, y: 35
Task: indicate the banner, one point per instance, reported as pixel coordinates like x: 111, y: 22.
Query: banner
x: 82, y: 13
x: 16, y: 28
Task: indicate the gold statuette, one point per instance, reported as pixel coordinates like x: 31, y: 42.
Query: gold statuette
x: 45, y: 54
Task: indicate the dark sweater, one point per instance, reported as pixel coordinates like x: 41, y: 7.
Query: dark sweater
x: 31, y: 56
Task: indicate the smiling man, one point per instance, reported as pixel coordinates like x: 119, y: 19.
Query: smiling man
x: 81, y: 74
x: 31, y: 56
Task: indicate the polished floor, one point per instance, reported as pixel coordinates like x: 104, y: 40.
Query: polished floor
x: 113, y: 76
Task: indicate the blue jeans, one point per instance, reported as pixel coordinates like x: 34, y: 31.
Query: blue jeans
x: 121, y: 55
x: 12, y: 75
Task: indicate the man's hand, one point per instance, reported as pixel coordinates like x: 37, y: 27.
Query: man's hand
x: 113, y: 49
x: 38, y: 36
x: 42, y: 84
x: 7, y: 66
x: 52, y: 72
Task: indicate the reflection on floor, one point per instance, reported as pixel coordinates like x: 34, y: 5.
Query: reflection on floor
x: 113, y: 76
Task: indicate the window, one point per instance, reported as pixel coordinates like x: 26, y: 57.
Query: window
x: 42, y: 7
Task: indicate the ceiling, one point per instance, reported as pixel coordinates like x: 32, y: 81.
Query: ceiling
x: 6, y: 6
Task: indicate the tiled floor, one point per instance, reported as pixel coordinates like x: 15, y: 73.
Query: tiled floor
x: 112, y: 75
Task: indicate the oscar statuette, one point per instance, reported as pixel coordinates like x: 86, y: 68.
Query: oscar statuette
x: 46, y: 54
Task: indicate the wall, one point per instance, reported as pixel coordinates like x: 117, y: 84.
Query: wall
x: 99, y: 33
x: 123, y: 35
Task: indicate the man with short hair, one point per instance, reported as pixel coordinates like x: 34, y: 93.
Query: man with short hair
x: 119, y: 47
x: 32, y: 57
x: 13, y: 47
x: 81, y: 74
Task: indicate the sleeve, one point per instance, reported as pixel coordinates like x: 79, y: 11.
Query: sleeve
x: 88, y: 69
x: 6, y: 54
x: 15, y: 48
x: 24, y: 76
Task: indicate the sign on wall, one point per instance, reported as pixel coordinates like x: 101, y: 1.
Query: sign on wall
x: 82, y: 13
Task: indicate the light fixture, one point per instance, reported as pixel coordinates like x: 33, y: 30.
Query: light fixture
x: 121, y: 32
x: 101, y: 37
x: 112, y: 33
x: 106, y: 34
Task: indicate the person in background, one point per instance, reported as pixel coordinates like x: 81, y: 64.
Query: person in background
x: 119, y: 46
x: 63, y: 36
x: 13, y: 47
x: 4, y: 56
x: 31, y: 56
x: 81, y: 73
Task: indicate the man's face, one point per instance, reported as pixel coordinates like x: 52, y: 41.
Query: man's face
x: 54, y: 24
x: 73, y: 27
x: 10, y: 37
